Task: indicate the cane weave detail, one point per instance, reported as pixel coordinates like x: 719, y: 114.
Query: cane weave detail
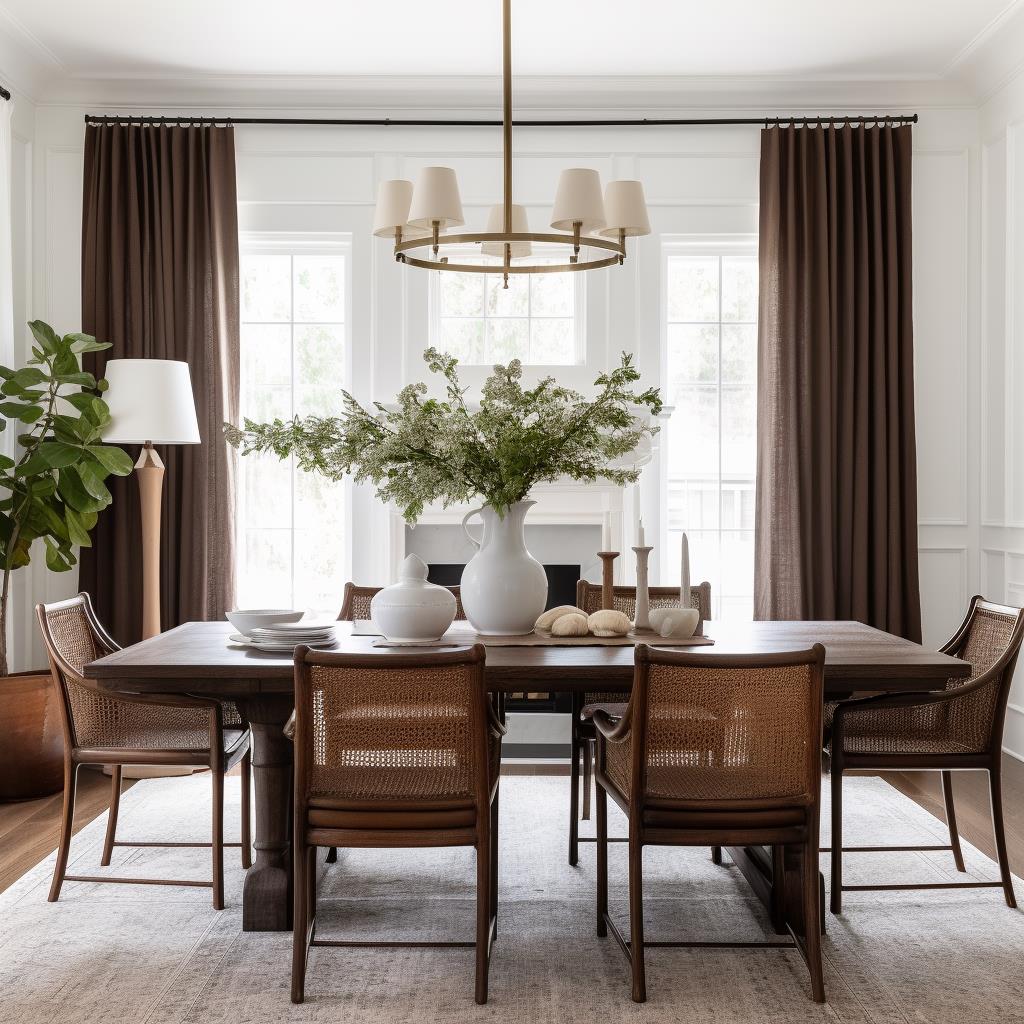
x: 961, y: 725
x: 101, y: 720
x: 624, y: 600
x: 395, y: 733
x: 724, y: 734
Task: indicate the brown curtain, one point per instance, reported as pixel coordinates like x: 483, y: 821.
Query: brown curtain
x: 160, y: 280
x: 836, y: 513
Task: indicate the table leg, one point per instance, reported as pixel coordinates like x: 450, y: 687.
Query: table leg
x: 773, y: 874
x: 267, y: 895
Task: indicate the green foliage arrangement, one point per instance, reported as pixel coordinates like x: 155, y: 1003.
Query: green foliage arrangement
x: 428, y: 450
x: 55, y: 488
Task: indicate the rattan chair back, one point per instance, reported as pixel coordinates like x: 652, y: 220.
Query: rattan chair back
x: 356, y: 602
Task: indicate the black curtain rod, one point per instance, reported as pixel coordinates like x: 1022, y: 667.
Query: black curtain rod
x: 385, y: 122
x: 5, y: 93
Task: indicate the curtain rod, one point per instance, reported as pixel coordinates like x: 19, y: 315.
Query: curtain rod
x: 385, y: 122
x: 5, y: 93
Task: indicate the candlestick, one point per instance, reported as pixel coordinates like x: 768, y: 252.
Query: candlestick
x: 642, y: 621
x: 685, y: 597
x: 607, y: 577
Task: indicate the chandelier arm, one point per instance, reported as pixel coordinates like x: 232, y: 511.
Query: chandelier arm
x: 499, y: 268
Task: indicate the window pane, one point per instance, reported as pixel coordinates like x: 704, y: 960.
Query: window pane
x: 264, y: 404
x: 320, y: 570
x: 266, y: 581
x: 461, y: 294
x: 739, y: 431
x: 552, y: 294
x: 511, y: 301
x: 508, y: 339
x: 463, y: 339
x: 693, y: 432
x: 319, y: 289
x: 692, y: 290
x: 737, y: 564
x: 739, y: 353
x: 703, y: 557
x: 266, y: 354
x: 692, y: 356
x: 739, y: 288
x: 553, y: 342
x: 267, y: 482
x: 266, y: 288
x: 319, y: 354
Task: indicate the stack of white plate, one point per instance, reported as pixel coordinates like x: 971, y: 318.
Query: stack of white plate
x: 286, y: 636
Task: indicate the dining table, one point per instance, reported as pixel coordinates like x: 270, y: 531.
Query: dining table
x: 197, y: 658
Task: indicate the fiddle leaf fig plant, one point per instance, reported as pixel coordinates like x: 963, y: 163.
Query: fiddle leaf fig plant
x: 53, y: 488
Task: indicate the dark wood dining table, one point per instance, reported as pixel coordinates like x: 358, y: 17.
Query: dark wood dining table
x: 197, y: 658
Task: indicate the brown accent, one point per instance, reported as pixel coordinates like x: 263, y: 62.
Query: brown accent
x: 957, y: 727
x: 718, y: 751
x: 32, y: 751
x: 402, y: 752
x: 355, y: 604
x: 607, y: 578
x: 836, y: 505
x: 149, y: 471
x: 160, y: 280
x: 136, y: 729
x: 591, y: 598
x: 197, y: 659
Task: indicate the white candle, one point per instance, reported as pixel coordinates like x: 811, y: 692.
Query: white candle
x: 684, y: 581
x: 640, y: 534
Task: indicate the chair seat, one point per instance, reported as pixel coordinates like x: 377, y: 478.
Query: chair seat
x: 138, y: 743
x: 379, y: 816
x: 781, y: 817
x: 902, y: 745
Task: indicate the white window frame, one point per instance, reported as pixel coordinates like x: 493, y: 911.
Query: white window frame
x: 304, y: 243
x: 694, y: 246
x: 579, y: 313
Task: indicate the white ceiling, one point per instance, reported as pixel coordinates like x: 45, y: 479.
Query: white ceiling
x: 849, y: 39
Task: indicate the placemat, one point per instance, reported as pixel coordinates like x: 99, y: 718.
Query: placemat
x: 459, y: 636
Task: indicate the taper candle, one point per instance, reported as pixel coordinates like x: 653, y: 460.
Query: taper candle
x: 685, y: 600
x: 640, y: 534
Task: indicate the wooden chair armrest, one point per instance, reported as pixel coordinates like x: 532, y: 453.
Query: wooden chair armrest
x: 493, y: 721
x: 612, y: 729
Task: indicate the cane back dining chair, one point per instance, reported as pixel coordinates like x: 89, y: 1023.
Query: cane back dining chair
x: 588, y: 597
x: 959, y: 727
x: 105, y: 729
x: 391, y: 751
x: 715, y: 750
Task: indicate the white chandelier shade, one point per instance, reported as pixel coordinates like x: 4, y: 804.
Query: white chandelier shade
x: 578, y: 201
x: 436, y: 199
x: 392, y: 211
x: 496, y: 224
x: 625, y: 210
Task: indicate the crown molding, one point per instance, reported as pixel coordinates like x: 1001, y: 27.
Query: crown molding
x: 472, y: 95
x: 25, y: 63
x: 994, y: 57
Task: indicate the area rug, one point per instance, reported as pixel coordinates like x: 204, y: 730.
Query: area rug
x: 161, y: 955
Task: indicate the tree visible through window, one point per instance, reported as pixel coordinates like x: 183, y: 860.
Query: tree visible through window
x: 710, y: 441
x: 292, y: 525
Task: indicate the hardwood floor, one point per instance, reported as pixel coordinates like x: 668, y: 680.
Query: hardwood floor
x: 29, y: 831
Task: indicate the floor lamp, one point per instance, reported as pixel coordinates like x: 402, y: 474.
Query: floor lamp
x: 150, y: 402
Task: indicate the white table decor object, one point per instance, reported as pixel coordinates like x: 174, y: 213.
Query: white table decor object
x: 244, y: 619
x: 608, y: 622
x: 675, y: 622
x: 685, y: 594
x: 641, y: 619
x: 413, y: 609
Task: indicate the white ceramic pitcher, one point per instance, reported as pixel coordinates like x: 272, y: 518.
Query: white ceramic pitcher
x: 504, y: 588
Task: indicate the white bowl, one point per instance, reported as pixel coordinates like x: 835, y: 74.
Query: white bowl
x: 246, y: 618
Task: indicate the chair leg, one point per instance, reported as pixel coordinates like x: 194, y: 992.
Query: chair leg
x: 217, y: 844
x: 300, y: 919
x: 716, y: 855
x: 996, y: 793
x: 836, y: 898
x: 494, y: 861
x: 954, y: 835
x: 115, y: 803
x: 246, y: 770
x: 332, y: 855
x: 66, y: 824
x: 483, y: 916
x: 588, y: 775
x: 574, y: 797
x: 636, y: 920
x: 601, y: 801
x: 812, y: 916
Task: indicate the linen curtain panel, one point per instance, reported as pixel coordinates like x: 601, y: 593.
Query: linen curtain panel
x: 836, y: 504
x: 160, y: 280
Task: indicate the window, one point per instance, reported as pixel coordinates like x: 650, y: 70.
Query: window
x: 292, y: 547
x: 537, y: 319
x: 710, y: 441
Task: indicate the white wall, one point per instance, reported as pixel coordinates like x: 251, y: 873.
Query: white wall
x: 1001, y: 439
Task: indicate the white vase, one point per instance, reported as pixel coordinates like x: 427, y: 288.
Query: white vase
x: 504, y: 588
x: 413, y: 609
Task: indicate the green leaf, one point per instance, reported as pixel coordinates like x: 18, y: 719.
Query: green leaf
x: 112, y: 459
x: 85, y: 380
x: 72, y: 489
x: 76, y: 529
x: 56, y: 559
x: 58, y: 454
x: 6, y: 462
x: 93, y: 483
x: 27, y: 377
x: 86, y: 343
x: 45, y: 335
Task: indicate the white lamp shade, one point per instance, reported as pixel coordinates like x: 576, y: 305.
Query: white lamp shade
x: 625, y: 209
x: 392, y: 210
x: 436, y: 198
x: 578, y: 200
x: 150, y: 400
x: 496, y: 222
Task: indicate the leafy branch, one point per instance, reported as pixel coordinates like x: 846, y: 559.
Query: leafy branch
x: 427, y: 449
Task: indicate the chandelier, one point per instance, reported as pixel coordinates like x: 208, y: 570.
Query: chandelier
x: 418, y: 217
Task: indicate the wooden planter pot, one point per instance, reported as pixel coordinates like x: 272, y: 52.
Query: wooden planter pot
x: 31, y: 738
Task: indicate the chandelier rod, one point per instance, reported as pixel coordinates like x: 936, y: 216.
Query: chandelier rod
x: 506, y: 85
x: 406, y: 122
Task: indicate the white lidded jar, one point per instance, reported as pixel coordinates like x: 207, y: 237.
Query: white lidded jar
x: 413, y: 609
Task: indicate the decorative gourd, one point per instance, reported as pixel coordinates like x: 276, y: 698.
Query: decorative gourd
x: 573, y: 624
x: 548, y: 619
x: 674, y: 622
x: 608, y: 623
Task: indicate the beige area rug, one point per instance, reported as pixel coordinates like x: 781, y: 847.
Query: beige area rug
x: 161, y: 955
